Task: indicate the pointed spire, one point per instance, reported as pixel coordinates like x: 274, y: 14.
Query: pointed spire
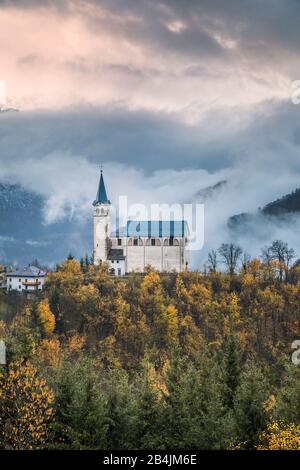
x: 101, y: 197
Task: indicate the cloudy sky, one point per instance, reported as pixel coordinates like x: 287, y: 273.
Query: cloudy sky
x: 172, y: 96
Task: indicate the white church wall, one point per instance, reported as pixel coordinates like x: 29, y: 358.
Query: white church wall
x: 135, y: 258
x: 153, y: 257
x: 171, y: 258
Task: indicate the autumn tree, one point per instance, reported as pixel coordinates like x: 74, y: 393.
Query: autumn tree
x: 25, y: 408
x: 280, y: 435
x: 280, y: 252
x: 230, y: 254
x: 46, y: 317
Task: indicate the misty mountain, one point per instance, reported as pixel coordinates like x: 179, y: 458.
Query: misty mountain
x: 289, y: 203
x: 281, y: 210
x: 211, y: 191
x: 24, y: 236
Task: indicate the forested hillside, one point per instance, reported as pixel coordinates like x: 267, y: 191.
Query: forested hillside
x: 286, y: 204
x: 273, y: 212
x: 161, y: 361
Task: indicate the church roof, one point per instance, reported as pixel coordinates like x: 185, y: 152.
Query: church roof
x: 153, y: 228
x: 101, y: 197
x: 116, y: 255
x: 29, y: 271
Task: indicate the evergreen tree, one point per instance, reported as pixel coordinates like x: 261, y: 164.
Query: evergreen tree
x: 120, y: 412
x: 288, y: 401
x: 250, y: 405
x: 79, y: 408
x: 149, y: 417
x: 231, y: 369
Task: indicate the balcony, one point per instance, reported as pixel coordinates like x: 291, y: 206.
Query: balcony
x: 35, y: 283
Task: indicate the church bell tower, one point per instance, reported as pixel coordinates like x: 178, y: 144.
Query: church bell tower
x: 101, y: 223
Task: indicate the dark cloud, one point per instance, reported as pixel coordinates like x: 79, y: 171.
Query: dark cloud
x: 141, y: 139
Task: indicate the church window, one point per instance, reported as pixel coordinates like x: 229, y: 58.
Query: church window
x: 152, y: 241
x: 119, y: 242
x: 171, y: 241
x: 135, y: 242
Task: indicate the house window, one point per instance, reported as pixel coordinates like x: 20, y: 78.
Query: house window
x: 171, y: 241
x: 135, y: 242
x: 119, y: 242
x: 119, y: 272
x: 118, y: 261
x: 19, y: 280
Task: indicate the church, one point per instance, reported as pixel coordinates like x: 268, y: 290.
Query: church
x: 161, y: 244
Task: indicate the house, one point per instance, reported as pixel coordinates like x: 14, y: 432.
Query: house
x: 29, y: 279
x: 162, y: 244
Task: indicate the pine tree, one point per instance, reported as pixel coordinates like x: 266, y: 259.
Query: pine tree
x: 149, y: 417
x: 288, y: 400
x: 249, y: 405
x: 231, y: 369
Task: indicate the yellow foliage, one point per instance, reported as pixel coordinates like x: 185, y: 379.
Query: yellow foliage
x: 280, y: 436
x: 152, y: 282
x: 172, y: 322
x: 50, y: 351
x: 25, y: 408
x: 46, y: 317
x: 2, y: 329
x: 270, y: 403
x: 76, y: 343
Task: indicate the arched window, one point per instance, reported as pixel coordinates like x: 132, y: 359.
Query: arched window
x: 153, y: 242
x: 171, y: 241
x: 137, y: 241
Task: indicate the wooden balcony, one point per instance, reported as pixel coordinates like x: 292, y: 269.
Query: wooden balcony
x: 34, y: 283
